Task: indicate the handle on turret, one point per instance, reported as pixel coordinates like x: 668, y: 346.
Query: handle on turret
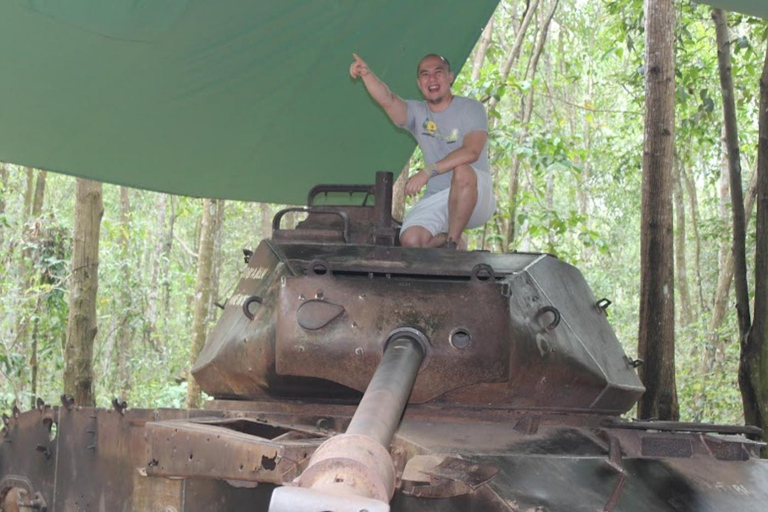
x: 319, y: 210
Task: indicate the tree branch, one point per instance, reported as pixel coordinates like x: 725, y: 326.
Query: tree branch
x: 185, y: 247
x: 596, y: 110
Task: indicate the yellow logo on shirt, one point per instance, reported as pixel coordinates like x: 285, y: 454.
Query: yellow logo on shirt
x: 431, y: 129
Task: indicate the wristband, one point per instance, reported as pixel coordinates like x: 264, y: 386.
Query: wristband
x: 431, y: 170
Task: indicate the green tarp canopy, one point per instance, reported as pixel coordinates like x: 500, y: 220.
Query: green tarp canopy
x: 235, y: 99
x: 757, y: 8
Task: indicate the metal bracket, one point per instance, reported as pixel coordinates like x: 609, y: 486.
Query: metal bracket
x: 614, y: 462
x: 483, y: 272
x: 603, y: 304
x: 555, y: 321
x: 119, y: 405
x: 253, y: 299
x: 67, y: 401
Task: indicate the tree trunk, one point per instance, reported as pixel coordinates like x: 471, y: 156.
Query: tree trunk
x: 26, y: 265
x: 27, y: 272
x: 514, y: 178
x: 514, y: 52
x: 82, y: 326
x: 166, y: 259
x: 3, y: 186
x: 482, y: 49
x: 693, y: 209
x: 29, y: 194
x: 582, y: 192
x: 734, y: 172
x: 266, y: 221
x: 753, y: 367
x: 549, y: 115
x: 217, y: 260
x: 550, y: 202
x: 156, y: 264
x: 724, y: 195
x: 656, y: 338
x: 124, y: 320
x: 584, y: 178
x: 37, y: 202
x: 3, y: 195
x: 398, y: 194
x: 725, y: 278
x: 679, y: 247
x: 33, y: 363
x: 202, y: 294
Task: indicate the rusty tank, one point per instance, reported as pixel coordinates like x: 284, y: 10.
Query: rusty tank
x: 349, y: 374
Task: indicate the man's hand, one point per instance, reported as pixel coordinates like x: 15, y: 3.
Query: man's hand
x: 417, y: 182
x: 358, y: 68
x: 395, y: 107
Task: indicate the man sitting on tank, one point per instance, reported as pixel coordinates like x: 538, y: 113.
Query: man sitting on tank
x: 452, y: 132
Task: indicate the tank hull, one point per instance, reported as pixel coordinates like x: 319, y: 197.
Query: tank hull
x: 515, y: 406
x: 454, y: 459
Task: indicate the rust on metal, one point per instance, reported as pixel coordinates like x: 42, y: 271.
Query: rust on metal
x: 444, y: 476
x: 515, y: 407
x: 234, y: 449
x: 13, y: 497
x: 357, y: 463
x: 614, y: 462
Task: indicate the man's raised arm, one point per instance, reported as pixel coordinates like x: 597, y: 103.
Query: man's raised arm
x: 392, y: 104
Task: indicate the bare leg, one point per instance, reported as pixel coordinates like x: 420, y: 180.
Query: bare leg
x: 462, y: 200
x: 415, y: 236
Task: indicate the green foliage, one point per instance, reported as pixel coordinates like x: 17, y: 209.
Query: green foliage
x: 584, y: 144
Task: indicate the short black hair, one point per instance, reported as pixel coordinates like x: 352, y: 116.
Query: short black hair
x: 427, y: 56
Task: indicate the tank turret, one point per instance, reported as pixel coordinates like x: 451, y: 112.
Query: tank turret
x: 313, y: 311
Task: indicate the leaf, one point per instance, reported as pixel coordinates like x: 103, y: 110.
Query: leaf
x: 610, y: 52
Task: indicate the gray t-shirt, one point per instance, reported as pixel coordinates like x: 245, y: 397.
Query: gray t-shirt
x: 439, y: 133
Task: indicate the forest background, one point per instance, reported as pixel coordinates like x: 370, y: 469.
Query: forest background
x: 563, y: 81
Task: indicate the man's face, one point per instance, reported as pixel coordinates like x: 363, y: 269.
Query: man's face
x: 435, y: 80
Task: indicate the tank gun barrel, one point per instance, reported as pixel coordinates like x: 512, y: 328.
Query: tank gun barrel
x: 379, y: 411
x: 356, y: 467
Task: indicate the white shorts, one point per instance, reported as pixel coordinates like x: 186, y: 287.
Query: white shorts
x: 431, y: 213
